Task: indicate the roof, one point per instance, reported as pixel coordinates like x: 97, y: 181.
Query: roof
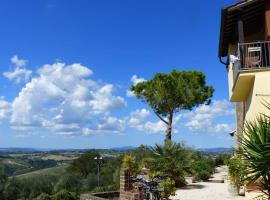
x: 252, y: 14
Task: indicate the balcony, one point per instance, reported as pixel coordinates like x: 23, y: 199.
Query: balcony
x: 251, y: 58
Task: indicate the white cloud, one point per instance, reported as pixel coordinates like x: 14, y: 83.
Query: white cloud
x: 18, y: 62
x: 107, y: 124
x: 63, y: 99
x: 135, y: 80
x: 19, y: 74
x: 138, y: 120
x: 103, y: 99
x: 112, y: 124
x: 204, y: 118
x: 5, y: 108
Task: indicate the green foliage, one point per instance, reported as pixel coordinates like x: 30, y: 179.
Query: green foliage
x: 12, y: 189
x: 15, y: 166
x: 237, y: 171
x: 222, y: 159
x: 71, y: 182
x: 110, y: 172
x: 53, y: 171
x: 170, y: 159
x: 57, y: 181
x: 174, y: 91
x: 43, y: 196
x: 89, y: 182
x: 202, y: 168
x: 141, y: 153
x: 130, y: 164
x: 85, y: 164
x: 105, y: 188
x: 168, y: 186
x: 255, y: 149
x: 64, y: 195
x: 3, y: 180
x: 203, y: 175
x: 169, y: 93
x: 33, y: 186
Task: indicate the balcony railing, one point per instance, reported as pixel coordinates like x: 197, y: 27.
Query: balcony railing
x: 252, y: 56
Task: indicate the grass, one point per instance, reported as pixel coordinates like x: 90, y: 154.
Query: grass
x: 58, y: 157
x: 58, y: 170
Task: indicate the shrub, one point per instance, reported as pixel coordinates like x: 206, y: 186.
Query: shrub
x: 70, y: 182
x: 170, y: 159
x: 204, y: 175
x: 129, y: 163
x: 43, y: 196
x: 168, y: 186
x: 222, y: 159
x: 202, y: 169
x: 64, y: 195
x: 237, y: 171
x: 84, y: 165
x: 12, y: 189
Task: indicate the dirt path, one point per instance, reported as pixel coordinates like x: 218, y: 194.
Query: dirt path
x: 208, y: 190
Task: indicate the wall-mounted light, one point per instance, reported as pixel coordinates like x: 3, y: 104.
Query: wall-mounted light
x: 232, y: 133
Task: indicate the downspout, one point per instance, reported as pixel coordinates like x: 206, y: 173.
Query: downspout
x: 223, y: 62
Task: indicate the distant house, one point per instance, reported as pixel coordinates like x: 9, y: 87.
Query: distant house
x: 244, y: 48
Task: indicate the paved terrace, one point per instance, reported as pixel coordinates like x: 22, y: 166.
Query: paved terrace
x: 210, y: 190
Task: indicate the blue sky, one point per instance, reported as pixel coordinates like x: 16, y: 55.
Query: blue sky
x: 66, y: 67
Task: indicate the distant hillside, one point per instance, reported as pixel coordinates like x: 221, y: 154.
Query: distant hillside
x: 18, y: 150
x: 34, y: 150
x: 126, y: 148
x: 217, y: 150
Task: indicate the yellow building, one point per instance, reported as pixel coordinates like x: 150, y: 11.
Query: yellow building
x: 244, y: 48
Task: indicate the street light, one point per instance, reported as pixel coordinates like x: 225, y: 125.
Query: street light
x: 99, y: 161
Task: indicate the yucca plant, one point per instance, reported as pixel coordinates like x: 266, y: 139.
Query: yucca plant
x: 255, y: 150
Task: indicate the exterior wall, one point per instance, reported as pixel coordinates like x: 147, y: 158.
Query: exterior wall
x: 252, y: 106
x: 259, y: 94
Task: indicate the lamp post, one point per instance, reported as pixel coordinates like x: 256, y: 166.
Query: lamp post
x: 99, y: 161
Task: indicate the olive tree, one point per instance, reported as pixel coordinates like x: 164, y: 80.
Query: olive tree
x: 169, y: 93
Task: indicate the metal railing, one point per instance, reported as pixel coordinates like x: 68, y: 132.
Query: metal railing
x: 252, y: 56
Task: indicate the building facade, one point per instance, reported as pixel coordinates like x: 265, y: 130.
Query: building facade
x: 244, y: 48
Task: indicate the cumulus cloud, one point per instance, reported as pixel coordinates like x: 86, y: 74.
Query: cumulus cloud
x: 107, y: 124
x: 135, y: 80
x: 19, y: 74
x: 138, y: 120
x: 62, y: 98
x: 18, y: 62
x: 204, y: 118
x: 5, y: 108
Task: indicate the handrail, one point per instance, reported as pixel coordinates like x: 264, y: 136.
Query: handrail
x: 252, y: 56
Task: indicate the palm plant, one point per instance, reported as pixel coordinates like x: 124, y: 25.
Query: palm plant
x: 255, y: 147
x: 170, y: 159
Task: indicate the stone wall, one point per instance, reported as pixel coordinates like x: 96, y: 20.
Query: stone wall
x: 100, y: 196
x: 127, y: 191
x: 240, y: 117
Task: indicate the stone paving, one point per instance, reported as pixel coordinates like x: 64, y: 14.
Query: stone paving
x: 208, y: 190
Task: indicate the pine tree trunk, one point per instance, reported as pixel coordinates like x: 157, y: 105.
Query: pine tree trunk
x: 169, y: 128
